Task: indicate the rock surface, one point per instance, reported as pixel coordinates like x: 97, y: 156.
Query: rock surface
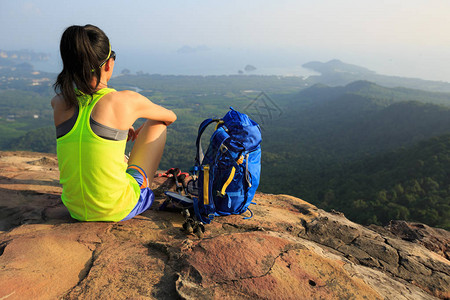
x: 289, y: 250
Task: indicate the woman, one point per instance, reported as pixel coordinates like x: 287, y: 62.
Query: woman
x: 92, y: 125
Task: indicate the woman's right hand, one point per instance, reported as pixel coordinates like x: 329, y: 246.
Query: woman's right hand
x: 132, y: 134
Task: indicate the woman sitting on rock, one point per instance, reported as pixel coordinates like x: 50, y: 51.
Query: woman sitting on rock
x: 93, y: 123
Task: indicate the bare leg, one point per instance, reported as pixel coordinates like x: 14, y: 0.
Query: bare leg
x: 148, y: 147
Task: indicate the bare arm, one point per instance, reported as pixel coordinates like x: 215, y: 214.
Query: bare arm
x: 152, y: 111
x: 142, y: 107
x: 121, y: 109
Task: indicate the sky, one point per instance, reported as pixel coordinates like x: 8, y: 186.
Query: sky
x: 395, y: 37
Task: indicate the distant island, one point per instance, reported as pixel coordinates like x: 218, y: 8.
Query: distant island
x: 248, y: 69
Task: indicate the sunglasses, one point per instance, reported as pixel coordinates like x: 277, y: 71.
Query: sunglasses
x: 111, y: 55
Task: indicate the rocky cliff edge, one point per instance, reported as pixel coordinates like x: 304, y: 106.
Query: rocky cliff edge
x: 290, y: 249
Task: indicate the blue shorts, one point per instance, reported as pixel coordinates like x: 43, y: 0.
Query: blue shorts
x: 146, y: 198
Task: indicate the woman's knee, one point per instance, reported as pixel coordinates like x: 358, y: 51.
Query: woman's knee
x: 153, y: 130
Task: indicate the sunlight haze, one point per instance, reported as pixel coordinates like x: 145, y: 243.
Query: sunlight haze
x: 405, y: 38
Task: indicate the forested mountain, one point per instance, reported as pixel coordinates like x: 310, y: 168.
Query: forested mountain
x: 325, y: 129
x: 360, y: 118
x: 406, y: 184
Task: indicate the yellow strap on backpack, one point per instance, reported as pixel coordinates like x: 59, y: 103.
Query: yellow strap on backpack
x: 227, y: 183
x: 205, y: 184
x: 230, y: 178
x: 218, y: 124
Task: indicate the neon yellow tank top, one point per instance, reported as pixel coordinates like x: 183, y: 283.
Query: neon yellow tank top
x: 92, y: 170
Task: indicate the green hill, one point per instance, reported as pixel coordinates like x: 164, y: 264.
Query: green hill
x: 337, y: 73
x: 407, y: 184
x: 324, y: 129
x: 361, y: 118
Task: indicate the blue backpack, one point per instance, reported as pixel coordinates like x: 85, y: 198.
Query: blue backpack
x: 227, y: 175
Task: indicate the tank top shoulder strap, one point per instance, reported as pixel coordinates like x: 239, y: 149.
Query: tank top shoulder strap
x: 90, y: 100
x: 103, y: 92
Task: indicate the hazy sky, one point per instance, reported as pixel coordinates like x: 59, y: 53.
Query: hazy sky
x: 396, y: 36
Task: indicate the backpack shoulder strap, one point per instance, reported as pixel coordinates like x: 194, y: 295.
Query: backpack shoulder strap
x: 198, y: 144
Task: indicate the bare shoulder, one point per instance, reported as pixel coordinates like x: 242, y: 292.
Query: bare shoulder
x: 128, y: 100
x: 134, y: 106
x: 57, y: 100
x: 129, y: 95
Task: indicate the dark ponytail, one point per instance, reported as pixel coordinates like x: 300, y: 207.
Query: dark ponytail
x: 83, y: 49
